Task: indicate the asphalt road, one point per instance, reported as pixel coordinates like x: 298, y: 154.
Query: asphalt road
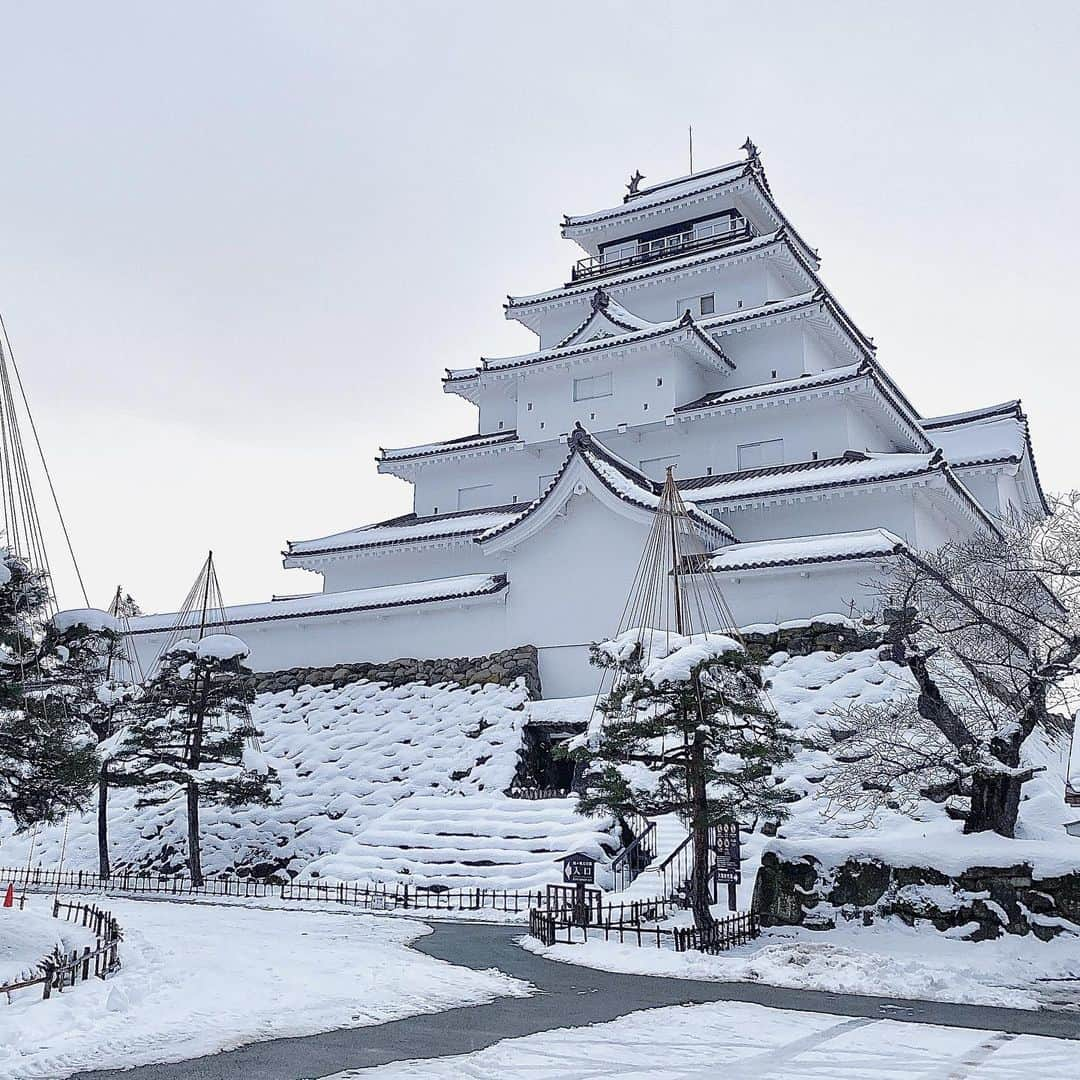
x: 568, y: 996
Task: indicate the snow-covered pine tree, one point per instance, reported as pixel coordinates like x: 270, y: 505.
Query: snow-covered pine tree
x: 687, y: 732
x: 94, y: 674
x: 47, y: 766
x: 191, y: 730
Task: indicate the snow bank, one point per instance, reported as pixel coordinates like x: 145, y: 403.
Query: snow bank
x: 90, y: 618
x: 197, y: 979
x: 887, y: 959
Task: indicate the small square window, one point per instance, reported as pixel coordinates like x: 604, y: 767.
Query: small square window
x: 500, y: 425
x: 435, y: 510
x: 541, y: 425
x: 592, y: 416
x: 528, y: 408
x: 813, y: 455
x: 514, y: 499
x: 645, y: 407
x: 659, y: 382
x: 739, y: 304
x: 708, y: 304
x: 708, y: 470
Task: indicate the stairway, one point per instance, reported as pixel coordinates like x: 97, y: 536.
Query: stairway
x: 466, y: 842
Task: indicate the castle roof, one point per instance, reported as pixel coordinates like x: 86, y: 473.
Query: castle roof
x: 406, y: 529
x: 697, y: 188
x: 461, y: 444
x: 339, y: 603
x: 993, y: 435
x: 866, y: 370
x: 621, y: 479
x: 806, y: 550
x: 853, y: 469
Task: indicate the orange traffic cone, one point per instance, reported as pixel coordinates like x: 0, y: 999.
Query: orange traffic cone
x: 9, y: 896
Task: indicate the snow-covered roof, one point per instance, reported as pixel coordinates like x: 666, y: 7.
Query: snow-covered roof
x: 990, y: 435
x: 447, y: 446
x: 353, y: 600
x: 621, y: 478
x: 746, y: 177
x: 854, y: 468
x: 665, y: 192
x: 800, y: 550
x: 401, y: 530
x: 865, y: 369
x: 686, y: 329
x: 607, y: 318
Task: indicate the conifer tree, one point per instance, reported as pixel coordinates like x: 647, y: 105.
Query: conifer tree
x: 47, y: 766
x: 686, y: 732
x: 192, y: 730
x: 93, y: 674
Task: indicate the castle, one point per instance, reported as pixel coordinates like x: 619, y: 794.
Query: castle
x: 694, y: 332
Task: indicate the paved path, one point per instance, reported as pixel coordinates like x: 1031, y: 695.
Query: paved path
x: 569, y: 996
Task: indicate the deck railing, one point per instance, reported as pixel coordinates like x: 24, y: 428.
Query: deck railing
x: 666, y: 247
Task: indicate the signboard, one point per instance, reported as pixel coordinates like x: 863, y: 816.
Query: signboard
x: 579, y: 869
x: 726, y: 850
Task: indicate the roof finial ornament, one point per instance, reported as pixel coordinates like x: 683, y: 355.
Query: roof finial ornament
x: 600, y: 300
x: 752, y: 152
x: 635, y: 182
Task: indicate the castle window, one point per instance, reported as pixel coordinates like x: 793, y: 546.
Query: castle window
x: 707, y: 304
x: 645, y: 407
x: 542, y: 425
x: 760, y: 455
x: 471, y: 498
x: 659, y: 382
x: 592, y: 386
x: 528, y: 408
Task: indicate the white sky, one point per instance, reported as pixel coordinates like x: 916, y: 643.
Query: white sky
x: 240, y: 242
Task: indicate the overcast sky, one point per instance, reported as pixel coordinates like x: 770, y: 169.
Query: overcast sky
x: 240, y: 242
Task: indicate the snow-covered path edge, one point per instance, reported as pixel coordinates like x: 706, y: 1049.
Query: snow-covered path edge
x: 199, y: 979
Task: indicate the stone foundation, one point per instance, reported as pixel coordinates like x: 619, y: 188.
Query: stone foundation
x: 811, y: 637
x: 501, y: 668
x: 982, y: 902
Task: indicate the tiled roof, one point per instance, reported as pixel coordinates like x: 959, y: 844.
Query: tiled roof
x: 619, y: 477
x: 446, y: 446
x: 806, y: 550
x: 340, y: 603
x: 406, y: 529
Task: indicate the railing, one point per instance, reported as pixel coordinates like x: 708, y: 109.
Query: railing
x: 60, y: 970
x: 637, y: 855
x: 538, y: 793
x: 664, y: 247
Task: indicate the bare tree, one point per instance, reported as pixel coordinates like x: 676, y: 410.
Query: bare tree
x: 989, y: 628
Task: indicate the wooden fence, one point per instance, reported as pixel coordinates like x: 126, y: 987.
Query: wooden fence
x: 737, y: 929
x: 59, y: 969
x: 370, y: 896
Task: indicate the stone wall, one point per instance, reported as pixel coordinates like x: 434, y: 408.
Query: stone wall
x: 813, y: 636
x: 982, y: 902
x: 501, y: 667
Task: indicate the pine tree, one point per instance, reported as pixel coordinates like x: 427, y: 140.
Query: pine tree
x: 687, y: 732
x: 192, y: 729
x: 94, y: 675
x: 47, y: 766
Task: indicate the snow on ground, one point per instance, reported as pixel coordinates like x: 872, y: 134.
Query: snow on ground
x: 749, y: 1042
x: 376, y: 782
x: 887, y: 959
x: 198, y: 978
x: 29, y: 935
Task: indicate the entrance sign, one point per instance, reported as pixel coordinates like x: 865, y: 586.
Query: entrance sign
x: 726, y: 850
x: 579, y: 869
